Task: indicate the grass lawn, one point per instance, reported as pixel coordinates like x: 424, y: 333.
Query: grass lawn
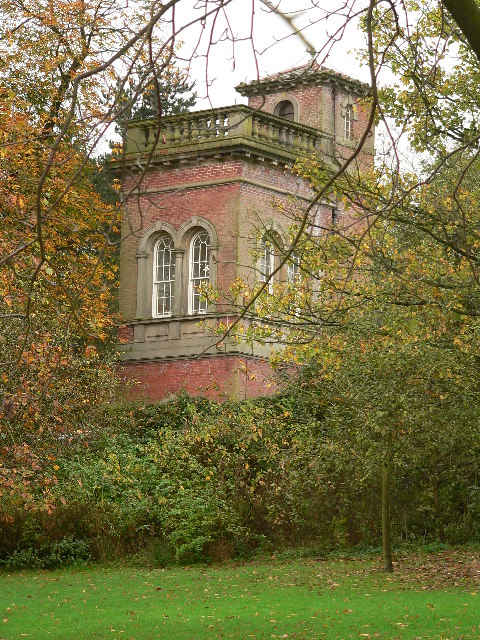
x: 429, y: 596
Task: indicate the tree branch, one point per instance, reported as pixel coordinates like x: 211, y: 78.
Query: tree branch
x: 466, y: 14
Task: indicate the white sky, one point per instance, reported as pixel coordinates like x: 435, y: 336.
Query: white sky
x: 277, y: 48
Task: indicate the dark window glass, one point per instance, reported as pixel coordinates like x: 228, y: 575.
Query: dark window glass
x: 285, y: 110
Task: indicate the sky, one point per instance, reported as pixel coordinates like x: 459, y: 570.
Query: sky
x: 276, y: 48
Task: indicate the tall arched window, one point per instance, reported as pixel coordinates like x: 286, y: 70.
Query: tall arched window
x: 267, y: 263
x: 199, y: 272
x: 163, y: 277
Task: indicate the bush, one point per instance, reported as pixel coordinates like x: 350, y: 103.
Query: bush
x: 56, y: 554
x: 194, y: 481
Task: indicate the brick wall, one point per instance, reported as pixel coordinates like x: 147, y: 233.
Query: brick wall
x: 309, y: 99
x: 226, y: 206
x: 218, y: 204
x: 216, y: 377
x: 125, y: 333
x: 200, y: 171
x: 321, y: 107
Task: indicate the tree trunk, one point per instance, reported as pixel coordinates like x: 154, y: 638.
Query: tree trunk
x: 466, y: 14
x: 386, y: 529
x: 436, y: 504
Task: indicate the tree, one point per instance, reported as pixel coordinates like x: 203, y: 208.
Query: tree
x: 168, y: 95
x: 396, y: 388
x: 407, y: 253
x: 59, y: 91
x: 384, y: 316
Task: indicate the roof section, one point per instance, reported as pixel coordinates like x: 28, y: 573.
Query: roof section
x: 311, y: 73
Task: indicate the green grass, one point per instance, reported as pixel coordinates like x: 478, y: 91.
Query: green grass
x: 428, y: 597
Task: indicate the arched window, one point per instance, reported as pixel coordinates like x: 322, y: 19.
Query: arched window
x: 267, y: 262
x: 199, y: 272
x: 163, y: 277
x: 285, y: 109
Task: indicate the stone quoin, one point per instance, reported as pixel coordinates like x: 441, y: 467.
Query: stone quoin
x: 199, y: 188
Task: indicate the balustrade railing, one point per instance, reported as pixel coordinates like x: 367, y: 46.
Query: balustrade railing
x: 213, y: 126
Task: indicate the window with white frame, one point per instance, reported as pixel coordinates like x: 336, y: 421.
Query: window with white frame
x: 348, y: 122
x: 199, y: 272
x: 293, y: 269
x: 267, y: 263
x: 163, y: 277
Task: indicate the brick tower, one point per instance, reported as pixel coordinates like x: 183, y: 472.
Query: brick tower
x: 214, y: 178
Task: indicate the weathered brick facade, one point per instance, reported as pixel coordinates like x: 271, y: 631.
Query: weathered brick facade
x: 220, y: 173
x: 215, y: 376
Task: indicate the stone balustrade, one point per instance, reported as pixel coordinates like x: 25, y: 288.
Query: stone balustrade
x: 223, y: 128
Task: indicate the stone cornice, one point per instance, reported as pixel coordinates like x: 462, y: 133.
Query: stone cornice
x: 135, y: 358
x: 240, y: 147
x: 306, y: 75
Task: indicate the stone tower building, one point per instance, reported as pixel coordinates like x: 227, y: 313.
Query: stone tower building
x: 198, y: 189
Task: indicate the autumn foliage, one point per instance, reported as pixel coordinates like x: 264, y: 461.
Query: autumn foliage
x: 71, y: 75
x: 57, y: 262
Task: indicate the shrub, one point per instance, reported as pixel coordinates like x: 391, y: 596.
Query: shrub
x: 56, y: 554
x: 192, y: 480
